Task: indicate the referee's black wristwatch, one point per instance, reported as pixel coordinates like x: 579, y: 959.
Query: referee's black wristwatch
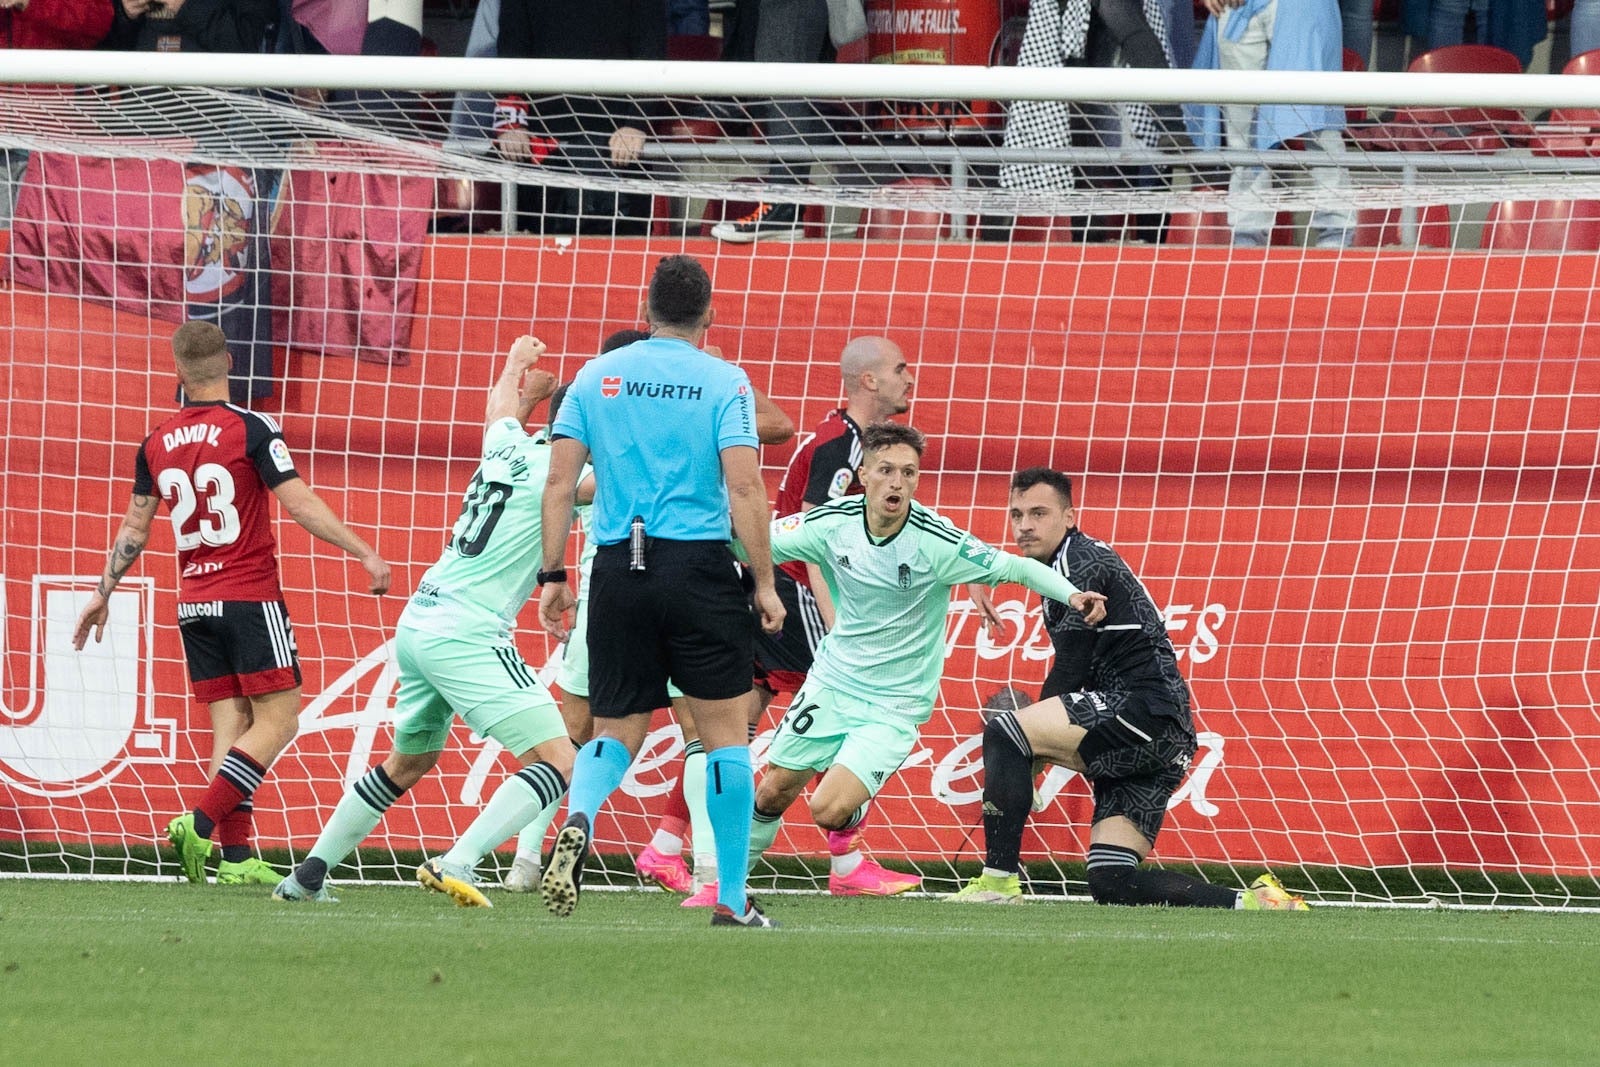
x: 546, y: 577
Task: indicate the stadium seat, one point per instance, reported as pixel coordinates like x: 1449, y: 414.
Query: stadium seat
x: 1466, y: 59
x: 1043, y: 229
x: 1583, y: 63
x: 1552, y: 225
x: 1570, y: 131
x: 1199, y: 228
x: 694, y: 47
x: 1453, y: 129
x: 906, y: 224
x: 1377, y: 227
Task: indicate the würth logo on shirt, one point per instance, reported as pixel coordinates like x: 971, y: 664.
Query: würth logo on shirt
x: 610, y: 386
x: 664, y: 391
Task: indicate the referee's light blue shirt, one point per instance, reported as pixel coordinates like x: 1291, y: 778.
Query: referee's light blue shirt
x: 655, y: 416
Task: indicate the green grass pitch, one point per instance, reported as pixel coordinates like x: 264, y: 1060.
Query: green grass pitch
x: 105, y: 972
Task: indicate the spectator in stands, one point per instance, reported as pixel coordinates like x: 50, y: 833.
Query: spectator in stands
x: 1585, y: 26
x: 1097, y: 33
x: 1276, y: 35
x: 786, y: 31
x: 689, y: 18
x: 1515, y: 25
x: 595, y: 136
x: 194, y: 25
x: 472, y: 114
x: 228, y: 264
x: 55, y: 24
x: 1355, y: 17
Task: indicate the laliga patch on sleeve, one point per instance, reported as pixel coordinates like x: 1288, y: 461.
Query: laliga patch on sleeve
x: 980, y: 554
x: 280, y: 455
x: 789, y: 523
x: 840, y: 485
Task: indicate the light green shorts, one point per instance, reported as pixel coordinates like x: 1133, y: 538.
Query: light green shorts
x: 824, y: 727
x: 573, y: 673
x: 489, y: 687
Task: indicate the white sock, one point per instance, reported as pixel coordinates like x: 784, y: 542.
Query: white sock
x: 846, y: 864
x: 667, y: 844
x: 992, y: 873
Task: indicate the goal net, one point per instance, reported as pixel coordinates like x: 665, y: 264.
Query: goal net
x: 1354, y: 465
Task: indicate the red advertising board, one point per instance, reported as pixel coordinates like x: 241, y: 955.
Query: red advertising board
x: 1372, y: 522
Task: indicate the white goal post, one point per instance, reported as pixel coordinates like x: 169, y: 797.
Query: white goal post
x: 1359, y: 478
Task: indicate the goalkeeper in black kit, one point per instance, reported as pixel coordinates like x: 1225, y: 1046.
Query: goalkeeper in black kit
x: 1114, y: 708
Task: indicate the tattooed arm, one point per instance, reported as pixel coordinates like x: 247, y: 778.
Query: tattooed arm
x: 124, y: 551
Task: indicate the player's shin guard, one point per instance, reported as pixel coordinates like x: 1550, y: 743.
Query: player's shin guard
x: 233, y: 832
x: 239, y: 777
x: 1115, y: 877
x: 521, y: 797
x: 730, y: 796
x: 704, y: 838
x: 1007, y: 791
x: 674, y: 824
x: 763, y: 831
x: 357, y: 815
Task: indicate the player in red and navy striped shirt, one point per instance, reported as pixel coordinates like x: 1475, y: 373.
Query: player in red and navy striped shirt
x: 215, y: 465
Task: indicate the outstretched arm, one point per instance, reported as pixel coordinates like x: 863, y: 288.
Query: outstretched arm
x: 1046, y: 581
x: 519, y: 387
x: 130, y: 542
x: 307, y: 508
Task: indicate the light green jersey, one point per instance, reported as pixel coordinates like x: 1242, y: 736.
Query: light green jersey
x: 890, y: 597
x: 490, y: 563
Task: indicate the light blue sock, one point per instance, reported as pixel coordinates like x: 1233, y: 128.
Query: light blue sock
x: 730, y: 797
x: 598, y: 771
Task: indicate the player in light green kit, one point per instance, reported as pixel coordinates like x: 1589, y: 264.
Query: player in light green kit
x: 890, y: 564
x: 456, y: 656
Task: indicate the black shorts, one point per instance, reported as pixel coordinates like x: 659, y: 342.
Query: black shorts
x: 784, y: 659
x: 238, y: 648
x: 685, y: 617
x: 1134, y: 781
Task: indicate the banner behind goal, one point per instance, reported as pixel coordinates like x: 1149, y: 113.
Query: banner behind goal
x: 1359, y: 479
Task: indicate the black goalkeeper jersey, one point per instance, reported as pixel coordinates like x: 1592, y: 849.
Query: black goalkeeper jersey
x: 1127, y: 652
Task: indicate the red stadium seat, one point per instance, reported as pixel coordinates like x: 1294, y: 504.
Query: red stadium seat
x: 906, y: 224
x: 1377, y: 227
x: 1453, y: 129
x: 1583, y: 63
x: 1570, y: 131
x: 1466, y: 59
x: 1199, y: 228
x: 1043, y: 229
x: 1555, y: 225
x: 694, y: 47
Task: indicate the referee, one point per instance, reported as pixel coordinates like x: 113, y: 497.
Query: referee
x: 671, y: 433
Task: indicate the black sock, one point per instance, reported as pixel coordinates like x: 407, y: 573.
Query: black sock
x: 235, y: 853
x: 1115, y: 877
x: 203, y: 824
x: 1007, y: 791
x: 311, y: 873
